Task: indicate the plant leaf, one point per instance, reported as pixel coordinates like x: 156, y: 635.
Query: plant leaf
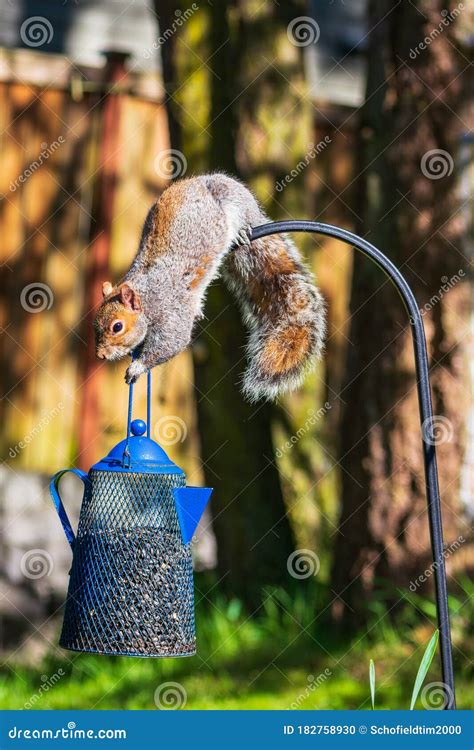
x: 424, y: 667
x: 372, y: 682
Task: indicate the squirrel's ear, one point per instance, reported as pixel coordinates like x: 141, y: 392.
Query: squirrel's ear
x: 106, y: 288
x: 130, y: 298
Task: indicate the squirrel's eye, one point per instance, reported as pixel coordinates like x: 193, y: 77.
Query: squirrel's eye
x: 117, y: 327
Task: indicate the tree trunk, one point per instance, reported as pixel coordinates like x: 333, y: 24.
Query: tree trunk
x: 166, y: 12
x: 250, y: 523
x: 417, y: 105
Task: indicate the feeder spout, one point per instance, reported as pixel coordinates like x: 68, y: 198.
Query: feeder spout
x: 190, y: 504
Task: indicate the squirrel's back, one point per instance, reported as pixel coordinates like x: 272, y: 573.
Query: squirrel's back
x: 281, y: 305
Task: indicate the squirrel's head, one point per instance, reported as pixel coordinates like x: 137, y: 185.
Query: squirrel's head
x: 120, y: 324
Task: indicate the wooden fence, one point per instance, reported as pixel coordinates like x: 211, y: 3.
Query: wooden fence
x: 50, y: 176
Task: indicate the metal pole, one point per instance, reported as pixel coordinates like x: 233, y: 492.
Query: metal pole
x: 426, y: 419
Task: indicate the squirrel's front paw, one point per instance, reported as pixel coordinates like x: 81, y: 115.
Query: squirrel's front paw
x: 134, y: 371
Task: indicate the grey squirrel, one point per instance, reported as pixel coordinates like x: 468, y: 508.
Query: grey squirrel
x: 186, y: 242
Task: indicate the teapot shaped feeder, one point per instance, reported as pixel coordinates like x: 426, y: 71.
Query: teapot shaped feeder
x: 131, y: 587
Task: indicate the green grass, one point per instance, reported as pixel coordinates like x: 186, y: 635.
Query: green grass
x: 278, y: 659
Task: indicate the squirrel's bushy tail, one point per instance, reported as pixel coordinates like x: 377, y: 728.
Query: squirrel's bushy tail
x: 283, y: 310
x: 281, y: 305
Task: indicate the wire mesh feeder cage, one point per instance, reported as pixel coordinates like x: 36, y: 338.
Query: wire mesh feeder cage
x: 131, y: 588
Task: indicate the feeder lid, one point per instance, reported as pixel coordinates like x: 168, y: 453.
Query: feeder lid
x: 142, y: 455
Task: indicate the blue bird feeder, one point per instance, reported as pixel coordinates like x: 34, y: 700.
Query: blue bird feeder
x: 131, y: 588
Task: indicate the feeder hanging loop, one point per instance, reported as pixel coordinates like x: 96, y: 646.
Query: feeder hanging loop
x: 126, y: 459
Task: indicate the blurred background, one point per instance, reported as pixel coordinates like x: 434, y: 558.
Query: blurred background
x: 315, y: 555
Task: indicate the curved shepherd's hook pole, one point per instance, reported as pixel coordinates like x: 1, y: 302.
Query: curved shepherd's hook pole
x: 426, y: 418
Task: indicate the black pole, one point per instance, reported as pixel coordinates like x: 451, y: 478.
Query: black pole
x: 426, y: 419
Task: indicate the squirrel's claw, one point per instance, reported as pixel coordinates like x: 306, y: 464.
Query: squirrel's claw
x: 134, y: 371
x: 243, y: 237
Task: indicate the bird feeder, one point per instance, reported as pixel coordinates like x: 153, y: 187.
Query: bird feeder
x: 131, y: 588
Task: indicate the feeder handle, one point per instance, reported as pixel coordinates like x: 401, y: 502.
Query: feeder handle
x: 126, y: 452
x: 58, y: 503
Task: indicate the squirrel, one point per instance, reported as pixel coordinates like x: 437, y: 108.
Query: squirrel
x: 198, y: 229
